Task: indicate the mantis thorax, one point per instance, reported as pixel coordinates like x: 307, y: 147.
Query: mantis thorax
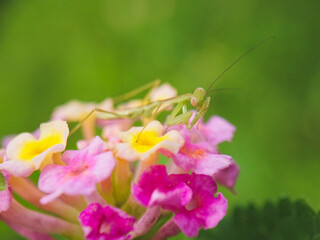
x: 198, y: 97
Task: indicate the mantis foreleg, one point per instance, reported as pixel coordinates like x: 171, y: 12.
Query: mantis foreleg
x: 173, y: 119
x: 201, y: 112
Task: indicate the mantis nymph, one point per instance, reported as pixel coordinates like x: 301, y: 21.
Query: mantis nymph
x: 199, y: 99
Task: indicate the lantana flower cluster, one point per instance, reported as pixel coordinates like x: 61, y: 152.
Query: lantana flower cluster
x: 110, y: 185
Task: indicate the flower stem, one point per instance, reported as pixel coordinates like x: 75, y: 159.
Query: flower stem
x: 77, y: 202
x: 26, y: 232
x: 105, y: 190
x: 95, y: 198
x: 40, y: 222
x: 28, y: 191
x: 170, y: 229
x: 146, y: 222
x: 143, y: 165
x: 88, y: 128
x: 56, y: 157
x: 121, y: 177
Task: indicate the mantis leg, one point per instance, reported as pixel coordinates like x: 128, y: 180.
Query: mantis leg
x: 201, y: 112
x: 173, y: 119
x: 133, y: 93
x: 156, y: 83
x: 116, y: 115
x: 150, y: 113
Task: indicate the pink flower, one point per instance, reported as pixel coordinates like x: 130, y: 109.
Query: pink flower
x: 228, y: 176
x: 85, y: 168
x: 73, y: 110
x: 105, y: 223
x: 162, y: 92
x: 217, y: 130
x: 190, y: 197
x: 197, y: 154
x: 200, y: 154
x: 197, y: 157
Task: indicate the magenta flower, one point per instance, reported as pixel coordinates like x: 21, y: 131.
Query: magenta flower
x: 156, y: 188
x: 204, y: 210
x: 85, y: 168
x: 190, y: 197
x: 105, y: 223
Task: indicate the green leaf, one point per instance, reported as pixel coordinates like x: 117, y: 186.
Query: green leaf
x: 2, y: 182
x: 283, y: 220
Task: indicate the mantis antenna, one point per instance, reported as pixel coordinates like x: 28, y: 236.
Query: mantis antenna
x: 238, y: 59
x: 225, y: 89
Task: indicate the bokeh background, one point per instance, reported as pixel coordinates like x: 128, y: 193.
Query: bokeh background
x: 55, y: 51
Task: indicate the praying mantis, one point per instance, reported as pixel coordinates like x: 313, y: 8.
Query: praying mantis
x: 152, y: 109
x: 180, y: 114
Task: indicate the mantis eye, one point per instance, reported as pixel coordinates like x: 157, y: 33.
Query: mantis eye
x: 194, y: 101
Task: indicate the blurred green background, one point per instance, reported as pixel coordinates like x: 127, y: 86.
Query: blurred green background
x: 54, y: 51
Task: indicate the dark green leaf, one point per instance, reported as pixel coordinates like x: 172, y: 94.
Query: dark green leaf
x: 281, y: 221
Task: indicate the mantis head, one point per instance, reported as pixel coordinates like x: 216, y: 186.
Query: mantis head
x: 198, y: 97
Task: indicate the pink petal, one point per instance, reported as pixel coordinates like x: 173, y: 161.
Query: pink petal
x: 104, y: 165
x: 228, y: 176
x: 51, y: 177
x: 86, y: 168
x: 217, y: 130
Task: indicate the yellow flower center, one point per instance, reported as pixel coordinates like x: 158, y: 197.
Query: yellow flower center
x: 34, y: 147
x: 145, y: 140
